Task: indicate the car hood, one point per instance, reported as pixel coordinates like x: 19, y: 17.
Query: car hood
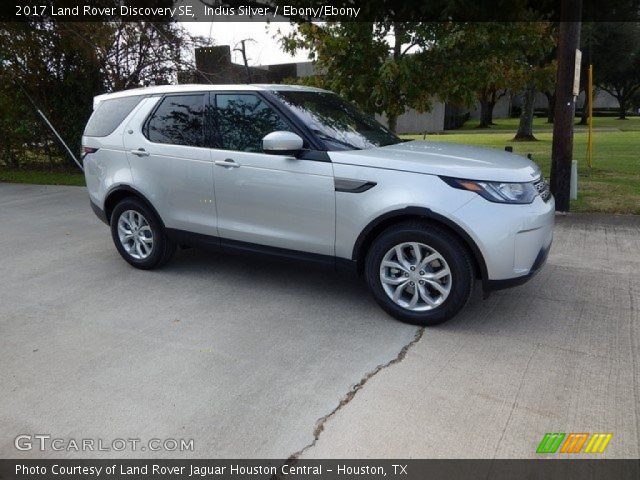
x: 447, y: 159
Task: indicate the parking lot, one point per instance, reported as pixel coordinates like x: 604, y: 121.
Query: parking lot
x: 250, y: 357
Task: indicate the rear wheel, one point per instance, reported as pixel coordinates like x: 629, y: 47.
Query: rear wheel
x: 139, y: 236
x: 419, y: 273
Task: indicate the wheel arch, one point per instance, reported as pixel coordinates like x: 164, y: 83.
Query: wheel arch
x: 119, y: 193
x: 381, y: 223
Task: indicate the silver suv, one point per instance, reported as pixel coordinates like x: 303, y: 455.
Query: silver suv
x: 298, y: 172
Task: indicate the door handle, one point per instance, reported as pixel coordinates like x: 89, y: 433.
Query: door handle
x: 227, y: 162
x: 141, y: 152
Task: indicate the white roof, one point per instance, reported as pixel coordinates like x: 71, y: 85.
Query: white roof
x: 197, y: 87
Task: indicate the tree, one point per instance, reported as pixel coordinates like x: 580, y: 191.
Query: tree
x: 57, y: 72
x: 483, y: 56
x: 615, y: 54
x: 635, y: 101
x: 17, y: 124
x: 551, y: 103
x: 135, y: 54
x: 536, y: 70
x: 62, y: 66
x: 587, y: 36
x: 492, y: 58
x: 357, y: 61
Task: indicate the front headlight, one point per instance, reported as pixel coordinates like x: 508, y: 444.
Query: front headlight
x: 499, y: 192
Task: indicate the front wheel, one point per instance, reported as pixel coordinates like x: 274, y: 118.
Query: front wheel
x: 419, y: 273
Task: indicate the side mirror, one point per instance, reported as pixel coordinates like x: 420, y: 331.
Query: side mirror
x: 282, y: 143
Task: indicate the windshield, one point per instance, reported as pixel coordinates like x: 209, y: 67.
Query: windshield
x: 336, y: 122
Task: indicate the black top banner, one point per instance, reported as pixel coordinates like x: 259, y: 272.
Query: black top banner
x: 315, y: 10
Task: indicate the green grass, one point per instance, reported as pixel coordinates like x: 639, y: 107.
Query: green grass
x: 41, y: 177
x: 540, y: 125
x: 612, y: 185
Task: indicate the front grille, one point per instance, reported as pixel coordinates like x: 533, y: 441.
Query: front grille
x: 543, y: 189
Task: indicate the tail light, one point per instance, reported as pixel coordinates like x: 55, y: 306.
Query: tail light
x: 86, y: 150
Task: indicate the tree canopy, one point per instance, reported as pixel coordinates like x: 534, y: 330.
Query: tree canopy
x: 387, y: 67
x: 614, y: 51
x: 62, y: 66
x: 357, y: 61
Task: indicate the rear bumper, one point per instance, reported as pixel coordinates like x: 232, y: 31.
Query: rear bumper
x: 99, y: 212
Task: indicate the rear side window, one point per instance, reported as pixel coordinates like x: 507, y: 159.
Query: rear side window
x: 243, y: 119
x: 178, y: 120
x: 109, y: 114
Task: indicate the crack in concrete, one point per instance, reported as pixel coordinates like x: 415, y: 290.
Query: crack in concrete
x: 515, y: 398
x: 320, y: 423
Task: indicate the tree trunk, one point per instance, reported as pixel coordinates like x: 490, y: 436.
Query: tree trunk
x: 398, y: 30
x: 392, y: 121
x: 551, y: 105
x: 10, y: 158
x: 525, y: 127
x: 47, y: 149
x: 486, y: 113
x: 584, y: 118
x: 492, y: 105
x: 623, y: 107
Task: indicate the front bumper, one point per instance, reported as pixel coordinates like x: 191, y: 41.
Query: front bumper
x: 514, y: 240
x: 492, y: 285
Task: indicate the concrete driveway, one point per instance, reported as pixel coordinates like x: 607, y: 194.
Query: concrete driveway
x: 252, y: 358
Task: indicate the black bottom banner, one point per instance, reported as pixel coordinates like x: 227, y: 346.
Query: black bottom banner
x: 544, y: 469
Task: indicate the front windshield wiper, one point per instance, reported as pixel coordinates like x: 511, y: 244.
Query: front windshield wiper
x: 324, y: 136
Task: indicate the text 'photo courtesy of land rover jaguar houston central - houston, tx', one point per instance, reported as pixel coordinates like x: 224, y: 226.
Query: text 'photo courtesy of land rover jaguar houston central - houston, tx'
x: 298, y: 172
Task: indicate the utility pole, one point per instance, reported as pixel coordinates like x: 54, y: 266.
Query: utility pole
x: 565, y: 107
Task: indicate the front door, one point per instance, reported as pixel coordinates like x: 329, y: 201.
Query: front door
x: 271, y: 200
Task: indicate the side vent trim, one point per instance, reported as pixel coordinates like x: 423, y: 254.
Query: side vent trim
x: 349, y: 185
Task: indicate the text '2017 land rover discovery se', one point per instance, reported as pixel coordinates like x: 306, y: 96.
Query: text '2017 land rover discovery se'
x: 300, y: 173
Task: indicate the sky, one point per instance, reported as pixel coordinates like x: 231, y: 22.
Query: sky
x: 264, y: 51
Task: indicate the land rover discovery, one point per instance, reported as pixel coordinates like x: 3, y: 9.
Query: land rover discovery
x: 299, y: 173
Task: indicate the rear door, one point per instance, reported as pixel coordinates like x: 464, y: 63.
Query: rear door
x: 170, y: 163
x: 272, y: 200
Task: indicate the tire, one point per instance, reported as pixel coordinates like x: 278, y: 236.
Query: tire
x: 146, y: 224
x: 435, y: 304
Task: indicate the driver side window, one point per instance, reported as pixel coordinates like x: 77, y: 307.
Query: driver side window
x: 243, y: 120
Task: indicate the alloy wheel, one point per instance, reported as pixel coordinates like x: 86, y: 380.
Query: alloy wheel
x: 415, y: 276
x: 135, y: 234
